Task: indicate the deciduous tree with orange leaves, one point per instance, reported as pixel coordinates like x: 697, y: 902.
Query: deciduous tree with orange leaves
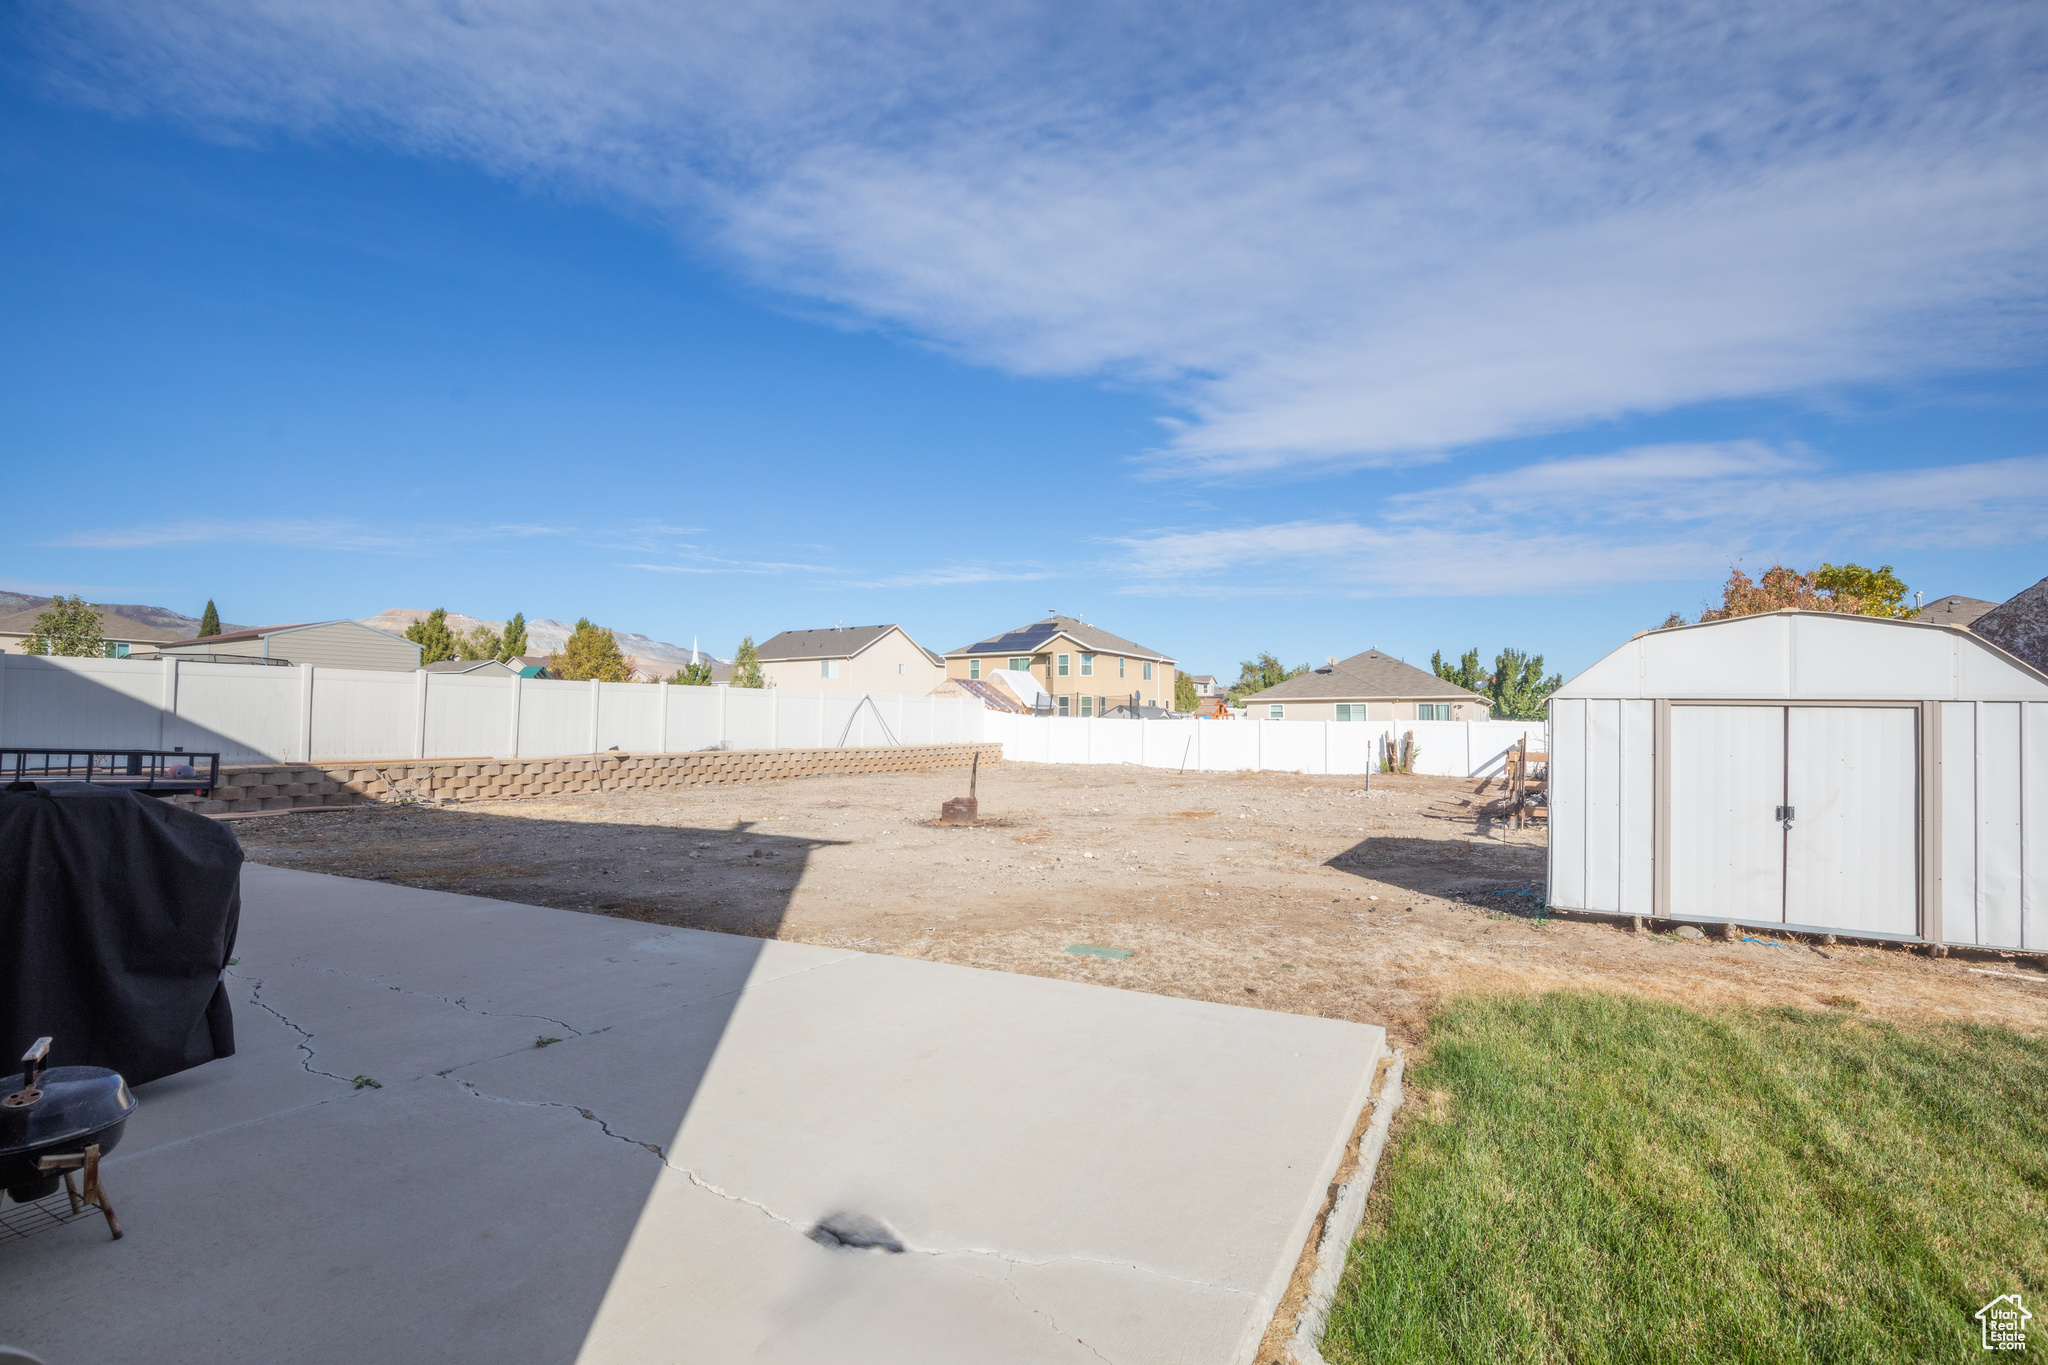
x: 1849, y: 588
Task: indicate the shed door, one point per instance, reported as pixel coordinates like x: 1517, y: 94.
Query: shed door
x: 1851, y: 855
x: 1727, y: 781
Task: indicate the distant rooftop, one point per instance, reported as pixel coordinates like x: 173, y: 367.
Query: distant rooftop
x: 1034, y: 637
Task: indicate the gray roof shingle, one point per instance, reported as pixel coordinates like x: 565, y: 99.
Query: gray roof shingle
x: 833, y: 642
x: 1371, y: 676
x: 1954, y: 610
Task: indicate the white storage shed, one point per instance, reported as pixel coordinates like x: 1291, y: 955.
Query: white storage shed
x: 1807, y: 771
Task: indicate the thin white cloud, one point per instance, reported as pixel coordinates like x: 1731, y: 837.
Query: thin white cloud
x: 1329, y: 235
x: 317, y: 534
x: 710, y: 565
x: 1656, y: 513
x: 952, y: 576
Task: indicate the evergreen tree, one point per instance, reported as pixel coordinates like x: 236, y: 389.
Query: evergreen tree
x: 1516, y: 687
x: 481, y: 643
x: 432, y: 635
x: 1466, y: 675
x: 746, y: 665
x: 591, y: 652
x: 696, y: 674
x: 68, y: 627
x: 209, y: 620
x: 1256, y: 675
x: 1184, y: 698
x: 512, y: 643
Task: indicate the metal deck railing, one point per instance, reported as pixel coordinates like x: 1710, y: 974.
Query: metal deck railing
x: 158, y: 772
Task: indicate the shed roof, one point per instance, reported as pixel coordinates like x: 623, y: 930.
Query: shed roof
x: 1036, y: 636
x: 491, y: 666
x: 1810, y: 656
x: 257, y: 632
x: 1371, y: 676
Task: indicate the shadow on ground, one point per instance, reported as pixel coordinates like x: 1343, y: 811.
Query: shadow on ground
x: 446, y: 1112
x: 1453, y: 870
x: 734, y: 879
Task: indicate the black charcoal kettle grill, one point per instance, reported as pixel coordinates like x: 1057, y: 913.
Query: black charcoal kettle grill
x: 58, y: 1119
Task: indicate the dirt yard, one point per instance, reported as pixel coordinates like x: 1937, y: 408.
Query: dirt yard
x: 1305, y: 894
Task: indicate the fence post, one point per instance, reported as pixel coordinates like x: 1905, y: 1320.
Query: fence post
x: 722, y: 694
x: 168, y: 707
x: 1259, y: 745
x: 774, y: 717
x: 512, y: 737
x: 305, y: 714
x: 419, y: 714
x: 821, y: 718
x: 594, y: 685
x: 661, y: 724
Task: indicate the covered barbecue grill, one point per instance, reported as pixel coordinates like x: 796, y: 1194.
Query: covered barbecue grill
x: 56, y: 1120
x: 117, y: 918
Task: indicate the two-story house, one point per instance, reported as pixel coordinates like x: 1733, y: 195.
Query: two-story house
x: 1085, y: 668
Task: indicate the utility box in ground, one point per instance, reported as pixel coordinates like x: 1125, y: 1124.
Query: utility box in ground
x: 1807, y: 771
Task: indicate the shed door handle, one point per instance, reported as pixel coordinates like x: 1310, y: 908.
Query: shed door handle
x: 1784, y: 815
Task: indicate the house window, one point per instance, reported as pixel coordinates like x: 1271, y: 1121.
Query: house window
x: 1020, y: 665
x: 1148, y: 671
x: 1276, y: 711
x: 828, y: 668
x: 1087, y: 665
x: 974, y: 668
x: 1063, y: 665
x: 1432, y: 710
x: 1063, y: 705
x: 116, y: 649
x: 1087, y: 706
x: 1343, y: 710
x: 1119, y: 668
x: 901, y: 669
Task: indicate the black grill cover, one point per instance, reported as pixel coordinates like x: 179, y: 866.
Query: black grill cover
x: 117, y: 916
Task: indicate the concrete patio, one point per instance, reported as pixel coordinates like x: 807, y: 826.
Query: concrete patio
x: 1072, y: 1173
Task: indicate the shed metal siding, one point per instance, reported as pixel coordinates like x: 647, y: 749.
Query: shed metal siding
x: 1986, y: 882
x: 2034, y: 826
x: 1959, y: 822
x: 1567, y: 795
x: 345, y: 644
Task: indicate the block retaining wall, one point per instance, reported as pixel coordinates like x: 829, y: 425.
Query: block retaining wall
x: 291, y: 786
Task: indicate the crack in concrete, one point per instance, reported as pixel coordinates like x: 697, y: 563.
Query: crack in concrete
x: 659, y: 1153
x: 305, y: 1038
x: 461, y: 1003
x: 1009, y: 1283
x: 1010, y: 1262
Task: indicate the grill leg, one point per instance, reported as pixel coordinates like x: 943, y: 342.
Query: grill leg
x: 96, y: 1193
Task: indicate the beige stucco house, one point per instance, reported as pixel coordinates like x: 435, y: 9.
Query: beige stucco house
x: 328, y: 644
x: 124, y: 635
x: 1086, y: 669
x: 1368, y: 686
x: 879, y: 659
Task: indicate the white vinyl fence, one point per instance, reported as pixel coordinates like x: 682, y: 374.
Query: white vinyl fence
x: 252, y: 714
x: 1446, y: 748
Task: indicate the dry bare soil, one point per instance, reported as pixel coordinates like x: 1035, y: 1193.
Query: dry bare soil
x: 1311, y: 895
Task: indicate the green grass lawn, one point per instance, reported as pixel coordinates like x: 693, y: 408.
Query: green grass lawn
x: 1602, y: 1178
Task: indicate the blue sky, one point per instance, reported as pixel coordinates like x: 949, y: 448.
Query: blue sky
x: 1411, y: 327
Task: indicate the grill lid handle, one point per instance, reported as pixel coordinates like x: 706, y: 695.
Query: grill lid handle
x: 34, y: 1063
